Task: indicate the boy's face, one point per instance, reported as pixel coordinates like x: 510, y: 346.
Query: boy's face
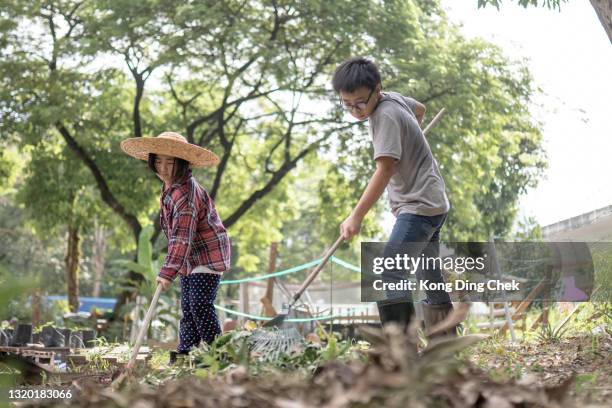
x: 165, y: 167
x: 361, y: 102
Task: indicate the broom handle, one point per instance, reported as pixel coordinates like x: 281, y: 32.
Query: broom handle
x: 316, y: 270
x: 145, y: 326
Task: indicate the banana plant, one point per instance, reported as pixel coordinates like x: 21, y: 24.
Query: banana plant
x: 166, y: 312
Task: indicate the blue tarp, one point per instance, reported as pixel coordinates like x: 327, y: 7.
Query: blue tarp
x: 86, y: 303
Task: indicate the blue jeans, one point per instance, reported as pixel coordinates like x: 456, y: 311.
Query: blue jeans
x: 414, y: 235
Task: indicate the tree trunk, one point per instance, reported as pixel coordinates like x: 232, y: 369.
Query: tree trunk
x: 72, y: 267
x: 36, y: 308
x: 98, y: 255
x: 603, y: 8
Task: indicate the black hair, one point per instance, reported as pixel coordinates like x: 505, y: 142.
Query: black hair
x: 355, y: 73
x: 180, y: 168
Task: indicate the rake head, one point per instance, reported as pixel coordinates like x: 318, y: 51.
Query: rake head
x: 271, y: 344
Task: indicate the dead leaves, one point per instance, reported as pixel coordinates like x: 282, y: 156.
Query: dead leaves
x: 393, y: 375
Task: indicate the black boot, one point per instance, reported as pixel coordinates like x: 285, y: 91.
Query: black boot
x: 174, y: 356
x: 433, y: 314
x: 400, y: 313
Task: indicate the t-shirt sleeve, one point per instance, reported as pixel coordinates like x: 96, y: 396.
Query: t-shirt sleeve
x: 387, y: 137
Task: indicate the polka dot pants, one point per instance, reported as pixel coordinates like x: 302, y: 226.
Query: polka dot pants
x: 199, y: 321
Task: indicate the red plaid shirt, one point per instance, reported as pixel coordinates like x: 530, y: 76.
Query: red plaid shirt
x: 196, y: 235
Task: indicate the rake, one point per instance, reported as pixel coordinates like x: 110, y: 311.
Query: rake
x: 271, y: 341
x: 280, y: 318
x: 270, y: 344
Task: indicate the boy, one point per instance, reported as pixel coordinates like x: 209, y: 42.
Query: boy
x: 406, y: 167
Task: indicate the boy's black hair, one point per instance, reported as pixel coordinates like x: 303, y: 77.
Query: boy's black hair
x: 354, y: 73
x: 180, y: 166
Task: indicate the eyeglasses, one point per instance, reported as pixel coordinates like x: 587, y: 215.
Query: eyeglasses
x: 360, y: 106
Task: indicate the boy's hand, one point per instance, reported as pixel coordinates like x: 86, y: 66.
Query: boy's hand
x: 350, y: 227
x: 164, y: 282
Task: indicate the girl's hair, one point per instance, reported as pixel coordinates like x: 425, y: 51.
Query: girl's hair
x: 354, y: 73
x: 180, y: 166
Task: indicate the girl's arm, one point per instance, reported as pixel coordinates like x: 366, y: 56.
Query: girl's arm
x: 179, y: 243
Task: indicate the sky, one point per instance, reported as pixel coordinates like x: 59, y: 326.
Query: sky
x: 570, y: 58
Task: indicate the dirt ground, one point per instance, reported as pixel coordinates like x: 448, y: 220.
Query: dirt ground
x: 568, y: 372
x: 586, y: 359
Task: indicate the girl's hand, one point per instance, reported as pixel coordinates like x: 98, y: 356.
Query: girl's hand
x: 164, y: 282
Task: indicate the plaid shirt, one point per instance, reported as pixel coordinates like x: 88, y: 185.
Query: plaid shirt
x: 196, y: 235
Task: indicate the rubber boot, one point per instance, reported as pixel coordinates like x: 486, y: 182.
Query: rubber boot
x: 399, y: 313
x: 433, y: 314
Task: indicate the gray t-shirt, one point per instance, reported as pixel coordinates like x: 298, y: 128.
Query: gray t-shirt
x: 416, y: 187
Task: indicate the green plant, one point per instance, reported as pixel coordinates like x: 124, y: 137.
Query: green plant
x: 550, y: 334
x: 583, y: 381
x: 10, y: 289
x: 148, y: 267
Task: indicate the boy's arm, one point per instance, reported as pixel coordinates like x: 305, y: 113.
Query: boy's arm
x: 385, y: 167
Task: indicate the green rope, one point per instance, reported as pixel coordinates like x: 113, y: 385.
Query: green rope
x: 345, y: 264
x: 272, y: 275
x: 255, y: 317
x: 292, y: 270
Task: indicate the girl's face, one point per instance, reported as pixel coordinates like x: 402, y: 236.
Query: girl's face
x: 165, y: 168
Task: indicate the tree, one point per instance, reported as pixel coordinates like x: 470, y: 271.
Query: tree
x: 551, y: 4
x: 249, y: 80
x: 55, y: 188
x: 603, y: 9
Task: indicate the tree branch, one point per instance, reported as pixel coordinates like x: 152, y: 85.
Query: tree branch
x: 107, y: 195
x: 227, y: 151
x: 435, y: 95
x: 277, y: 177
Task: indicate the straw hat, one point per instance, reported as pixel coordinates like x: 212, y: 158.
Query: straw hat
x: 169, y: 144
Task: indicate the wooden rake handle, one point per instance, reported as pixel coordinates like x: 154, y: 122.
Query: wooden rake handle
x: 145, y: 326
x: 316, y: 270
x: 434, y: 120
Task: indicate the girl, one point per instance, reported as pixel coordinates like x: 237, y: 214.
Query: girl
x: 198, y: 245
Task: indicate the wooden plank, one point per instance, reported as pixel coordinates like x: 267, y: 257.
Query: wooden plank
x: 525, y: 303
x: 491, y: 325
x: 76, y: 359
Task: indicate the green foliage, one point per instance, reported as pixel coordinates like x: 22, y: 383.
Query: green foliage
x: 231, y: 350
x: 551, y: 4
x: 583, y: 381
x: 488, y: 148
x: 12, y: 289
x: 602, y: 263
x: 528, y: 230
x: 166, y: 311
x: 550, y: 334
x: 249, y: 80
x: 8, y: 169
